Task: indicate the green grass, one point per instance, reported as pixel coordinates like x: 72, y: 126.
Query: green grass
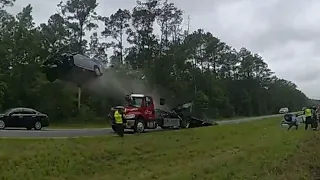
x: 253, y: 150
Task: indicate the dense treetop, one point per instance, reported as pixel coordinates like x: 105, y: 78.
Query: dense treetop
x: 221, y: 80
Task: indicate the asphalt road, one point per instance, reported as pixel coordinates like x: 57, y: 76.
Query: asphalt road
x: 71, y: 133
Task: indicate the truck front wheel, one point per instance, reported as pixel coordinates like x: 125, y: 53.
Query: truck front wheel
x: 139, y: 126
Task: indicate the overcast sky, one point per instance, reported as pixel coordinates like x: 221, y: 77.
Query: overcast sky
x: 285, y: 32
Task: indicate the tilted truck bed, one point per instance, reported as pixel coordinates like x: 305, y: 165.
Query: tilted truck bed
x: 185, y: 118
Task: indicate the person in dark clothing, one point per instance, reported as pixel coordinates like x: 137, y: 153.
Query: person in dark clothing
x: 293, y: 122
x: 314, y: 119
x: 308, y: 114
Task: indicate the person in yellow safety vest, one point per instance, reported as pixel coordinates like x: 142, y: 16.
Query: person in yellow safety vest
x: 308, y: 114
x: 118, y: 118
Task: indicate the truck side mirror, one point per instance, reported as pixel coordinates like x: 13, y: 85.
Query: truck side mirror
x: 127, y: 98
x: 162, y: 101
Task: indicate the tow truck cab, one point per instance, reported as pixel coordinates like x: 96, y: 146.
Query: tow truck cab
x: 139, y: 112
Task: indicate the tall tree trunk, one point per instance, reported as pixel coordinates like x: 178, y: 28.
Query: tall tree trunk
x: 79, y: 98
x: 121, y: 48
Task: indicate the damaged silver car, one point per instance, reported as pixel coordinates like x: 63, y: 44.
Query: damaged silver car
x: 57, y: 66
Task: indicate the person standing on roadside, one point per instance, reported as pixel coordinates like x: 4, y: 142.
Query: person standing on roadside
x: 308, y: 114
x: 314, y: 119
x: 118, y: 120
x: 294, y: 122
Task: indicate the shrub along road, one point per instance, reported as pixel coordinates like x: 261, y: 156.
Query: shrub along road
x: 66, y: 133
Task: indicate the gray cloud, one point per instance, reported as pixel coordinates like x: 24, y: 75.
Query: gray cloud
x: 284, y: 32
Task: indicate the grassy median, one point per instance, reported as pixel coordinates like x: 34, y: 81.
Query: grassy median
x: 253, y: 150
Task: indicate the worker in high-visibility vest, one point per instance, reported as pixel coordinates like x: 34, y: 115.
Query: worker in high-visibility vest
x: 118, y: 119
x: 308, y: 114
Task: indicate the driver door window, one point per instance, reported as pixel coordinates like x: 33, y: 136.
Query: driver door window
x: 26, y: 112
x: 15, y: 113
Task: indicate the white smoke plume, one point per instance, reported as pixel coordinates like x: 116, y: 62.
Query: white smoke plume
x: 119, y: 82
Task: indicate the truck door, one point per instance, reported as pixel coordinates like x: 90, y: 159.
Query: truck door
x: 149, y: 112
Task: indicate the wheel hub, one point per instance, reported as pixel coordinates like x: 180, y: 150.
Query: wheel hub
x: 37, y: 125
x: 140, y: 127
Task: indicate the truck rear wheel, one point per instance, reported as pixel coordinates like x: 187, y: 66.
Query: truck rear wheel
x: 139, y: 126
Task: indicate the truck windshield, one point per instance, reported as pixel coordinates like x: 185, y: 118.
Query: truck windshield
x: 136, y: 101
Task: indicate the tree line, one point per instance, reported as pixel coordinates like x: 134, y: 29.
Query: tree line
x: 221, y: 80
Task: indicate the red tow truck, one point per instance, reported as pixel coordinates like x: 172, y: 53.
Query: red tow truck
x: 140, y: 114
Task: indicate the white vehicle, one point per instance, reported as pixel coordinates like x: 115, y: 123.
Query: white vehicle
x: 284, y: 110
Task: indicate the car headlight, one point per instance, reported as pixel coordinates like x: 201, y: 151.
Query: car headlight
x: 129, y: 116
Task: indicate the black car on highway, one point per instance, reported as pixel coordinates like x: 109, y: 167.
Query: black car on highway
x: 23, y: 118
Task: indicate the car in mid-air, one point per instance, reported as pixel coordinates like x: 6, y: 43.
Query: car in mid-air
x: 58, y: 65
x: 23, y: 118
x: 284, y: 110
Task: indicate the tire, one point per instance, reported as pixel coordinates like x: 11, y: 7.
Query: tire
x: 97, y: 71
x: 37, y: 125
x: 2, y: 124
x: 139, y: 126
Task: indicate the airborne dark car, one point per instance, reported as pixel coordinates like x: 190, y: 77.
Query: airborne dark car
x: 23, y: 117
x: 58, y: 66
